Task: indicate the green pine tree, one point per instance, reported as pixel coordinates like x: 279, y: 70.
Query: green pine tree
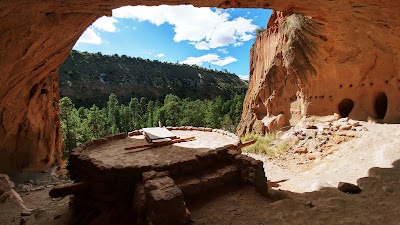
x: 70, y: 123
x: 135, y: 117
x: 96, y: 122
x: 113, y: 116
x: 150, y: 114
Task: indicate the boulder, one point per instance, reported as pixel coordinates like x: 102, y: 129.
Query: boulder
x: 8, y: 193
x: 301, y: 150
x: 5, y: 184
x: 313, y: 155
x: 348, y: 188
x: 345, y: 127
x: 164, y: 201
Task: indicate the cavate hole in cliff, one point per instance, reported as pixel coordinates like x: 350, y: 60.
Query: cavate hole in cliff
x: 33, y: 91
x: 381, y: 104
x: 261, y: 110
x: 345, y: 107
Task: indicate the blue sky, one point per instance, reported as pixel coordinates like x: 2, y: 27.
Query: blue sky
x: 209, y: 37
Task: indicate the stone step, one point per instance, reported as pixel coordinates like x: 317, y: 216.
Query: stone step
x: 201, y: 162
x: 208, y: 180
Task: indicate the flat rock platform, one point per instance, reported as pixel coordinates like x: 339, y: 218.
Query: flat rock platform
x: 152, y: 185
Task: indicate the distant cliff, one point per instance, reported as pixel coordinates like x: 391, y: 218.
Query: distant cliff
x: 89, y: 79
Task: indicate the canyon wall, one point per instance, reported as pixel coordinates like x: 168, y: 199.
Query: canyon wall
x: 128, y: 77
x: 344, y: 61
x: 348, y: 44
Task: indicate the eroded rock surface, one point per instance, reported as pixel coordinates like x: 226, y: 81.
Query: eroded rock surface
x: 342, y: 58
x: 353, y: 44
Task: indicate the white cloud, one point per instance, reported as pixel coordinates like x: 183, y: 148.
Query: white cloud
x: 247, y: 37
x: 225, y: 61
x: 223, y: 50
x: 237, y: 44
x: 202, y: 45
x: 202, y: 27
x: 102, y: 24
x: 201, y: 59
x: 105, y: 23
x: 89, y: 37
x: 243, y: 77
x: 160, y: 55
x: 209, y: 58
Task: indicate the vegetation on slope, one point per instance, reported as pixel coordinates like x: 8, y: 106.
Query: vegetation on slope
x: 89, y: 79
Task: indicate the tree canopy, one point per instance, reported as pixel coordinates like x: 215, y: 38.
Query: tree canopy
x: 84, y: 124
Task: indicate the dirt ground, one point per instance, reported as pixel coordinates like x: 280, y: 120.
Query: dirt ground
x: 298, y: 194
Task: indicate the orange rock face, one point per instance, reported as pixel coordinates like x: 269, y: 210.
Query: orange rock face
x: 295, y: 67
x: 343, y: 60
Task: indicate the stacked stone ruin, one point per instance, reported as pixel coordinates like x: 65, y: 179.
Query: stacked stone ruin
x: 156, y: 194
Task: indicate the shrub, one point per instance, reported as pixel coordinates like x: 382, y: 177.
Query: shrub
x: 259, y: 31
x: 268, y: 145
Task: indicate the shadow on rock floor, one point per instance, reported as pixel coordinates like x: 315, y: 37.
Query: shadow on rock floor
x: 378, y: 203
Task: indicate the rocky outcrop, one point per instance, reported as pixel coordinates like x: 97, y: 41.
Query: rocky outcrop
x: 356, y: 46
x: 344, y: 61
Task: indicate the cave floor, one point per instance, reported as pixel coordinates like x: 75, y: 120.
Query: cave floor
x: 289, y: 201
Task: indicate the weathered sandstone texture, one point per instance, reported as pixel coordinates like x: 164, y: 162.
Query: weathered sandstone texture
x: 354, y: 44
x: 343, y: 58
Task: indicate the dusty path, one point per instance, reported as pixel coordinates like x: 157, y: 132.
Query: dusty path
x: 377, y: 147
x: 297, y: 201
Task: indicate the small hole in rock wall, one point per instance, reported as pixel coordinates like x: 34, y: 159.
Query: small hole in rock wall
x: 345, y: 107
x: 381, y: 104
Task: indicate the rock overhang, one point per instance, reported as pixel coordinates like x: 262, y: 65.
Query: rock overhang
x: 359, y: 37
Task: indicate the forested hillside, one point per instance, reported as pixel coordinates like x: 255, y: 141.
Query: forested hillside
x: 83, y: 124
x: 89, y: 79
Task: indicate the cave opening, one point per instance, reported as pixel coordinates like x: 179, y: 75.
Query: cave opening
x: 132, y: 53
x: 261, y: 110
x: 345, y: 107
x: 381, y: 104
x: 164, y: 35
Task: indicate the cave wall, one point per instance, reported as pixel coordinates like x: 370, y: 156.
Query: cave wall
x: 304, y: 65
x: 36, y: 37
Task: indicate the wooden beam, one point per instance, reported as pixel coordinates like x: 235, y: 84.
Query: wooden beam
x: 71, y: 189
x: 161, y: 143
x: 245, y: 144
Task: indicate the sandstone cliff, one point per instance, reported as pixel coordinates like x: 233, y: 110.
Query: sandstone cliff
x: 358, y: 49
x: 100, y: 75
x: 303, y: 66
